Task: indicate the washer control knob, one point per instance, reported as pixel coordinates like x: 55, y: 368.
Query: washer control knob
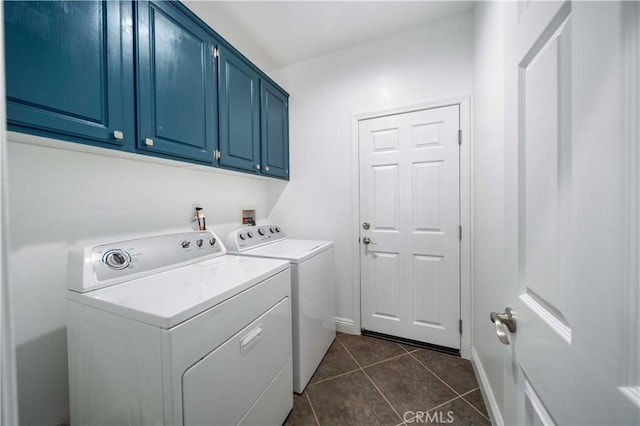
x: 117, y: 259
x: 277, y: 229
x: 250, y: 234
x: 185, y: 244
x: 272, y: 230
x: 199, y: 242
x: 212, y: 241
x: 261, y: 231
x: 241, y: 236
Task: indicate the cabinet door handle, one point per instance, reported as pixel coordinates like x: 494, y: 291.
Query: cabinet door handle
x: 257, y: 166
x: 118, y: 134
x: 266, y: 169
x: 148, y: 142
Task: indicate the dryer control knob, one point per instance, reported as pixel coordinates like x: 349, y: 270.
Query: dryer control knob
x: 212, y: 241
x: 117, y: 259
x: 250, y: 234
x: 241, y: 236
x: 261, y: 231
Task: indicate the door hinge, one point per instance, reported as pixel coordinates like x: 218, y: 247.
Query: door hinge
x: 460, y: 325
x: 216, y: 154
x: 459, y: 137
x: 215, y: 52
x: 460, y: 232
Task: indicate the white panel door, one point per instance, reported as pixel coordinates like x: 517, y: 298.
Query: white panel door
x: 569, y: 203
x: 409, y: 196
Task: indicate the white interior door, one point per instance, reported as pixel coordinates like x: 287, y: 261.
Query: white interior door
x: 571, y: 194
x: 409, y: 197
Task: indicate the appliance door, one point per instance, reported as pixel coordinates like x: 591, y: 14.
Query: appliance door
x: 221, y: 387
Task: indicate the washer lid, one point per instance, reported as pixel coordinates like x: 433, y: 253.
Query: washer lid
x: 295, y: 251
x: 169, y: 298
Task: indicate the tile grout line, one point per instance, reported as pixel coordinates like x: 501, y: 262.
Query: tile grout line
x: 437, y: 377
x: 473, y: 406
x: 315, y: 416
x: 472, y: 390
x: 374, y: 385
x: 352, y: 357
x: 385, y: 360
x: 383, y: 396
x: 334, y: 377
x: 444, y: 403
x: 405, y: 349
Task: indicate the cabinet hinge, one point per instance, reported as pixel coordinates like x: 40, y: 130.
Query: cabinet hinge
x: 460, y: 325
x: 216, y: 154
x: 214, y: 51
x: 459, y: 137
x: 460, y: 232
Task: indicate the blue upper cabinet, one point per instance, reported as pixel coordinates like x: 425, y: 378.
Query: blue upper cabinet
x: 177, y: 84
x: 147, y: 77
x: 69, y: 71
x: 239, y: 113
x: 274, y: 129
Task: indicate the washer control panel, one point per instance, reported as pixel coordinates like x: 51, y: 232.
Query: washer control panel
x: 254, y: 236
x: 107, y: 264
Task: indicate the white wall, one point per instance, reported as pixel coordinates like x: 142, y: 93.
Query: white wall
x: 8, y: 398
x: 488, y: 196
x: 421, y: 64
x: 58, y: 198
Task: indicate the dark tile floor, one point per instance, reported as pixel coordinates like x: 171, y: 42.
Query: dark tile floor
x: 368, y: 381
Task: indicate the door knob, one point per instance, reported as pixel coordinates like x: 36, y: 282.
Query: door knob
x: 504, y: 322
x: 367, y: 241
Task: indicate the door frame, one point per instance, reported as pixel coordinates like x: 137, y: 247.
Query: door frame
x: 354, y: 326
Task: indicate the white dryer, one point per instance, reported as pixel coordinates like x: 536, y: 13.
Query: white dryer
x: 312, y: 291
x: 168, y: 330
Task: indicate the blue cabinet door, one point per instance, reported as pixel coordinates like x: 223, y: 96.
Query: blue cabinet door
x: 69, y: 70
x: 177, y: 109
x: 274, y: 129
x: 239, y: 113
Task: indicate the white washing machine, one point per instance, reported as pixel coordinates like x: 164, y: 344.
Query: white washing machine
x: 312, y: 291
x: 169, y: 330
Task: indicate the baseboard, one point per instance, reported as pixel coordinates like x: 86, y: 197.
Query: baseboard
x: 487, y: 394
x: 347, y: 326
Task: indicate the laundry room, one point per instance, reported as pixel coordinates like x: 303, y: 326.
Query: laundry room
x: 376, y: 130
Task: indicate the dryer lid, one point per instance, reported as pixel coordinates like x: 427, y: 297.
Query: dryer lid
x: 171, y: 297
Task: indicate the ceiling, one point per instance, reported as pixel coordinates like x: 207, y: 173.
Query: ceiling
x: 274, y: 34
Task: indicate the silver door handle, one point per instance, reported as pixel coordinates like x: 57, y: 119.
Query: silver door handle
x: 367, y: 241
x: 502, y: 321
